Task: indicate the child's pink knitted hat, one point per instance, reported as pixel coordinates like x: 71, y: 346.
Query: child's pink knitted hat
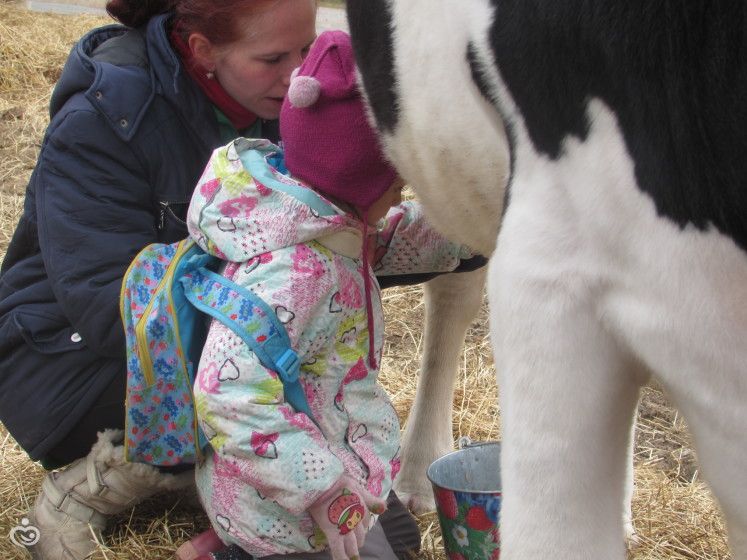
x: 327, y: 139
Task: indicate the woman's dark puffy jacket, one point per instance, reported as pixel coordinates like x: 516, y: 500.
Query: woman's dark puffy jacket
x: 129, y: 136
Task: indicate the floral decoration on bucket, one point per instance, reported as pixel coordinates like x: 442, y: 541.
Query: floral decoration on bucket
x: 469, y: 523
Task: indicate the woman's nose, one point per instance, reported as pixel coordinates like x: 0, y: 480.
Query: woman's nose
x: 294, y: 61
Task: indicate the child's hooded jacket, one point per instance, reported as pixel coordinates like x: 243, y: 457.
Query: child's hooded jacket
x: 301, y: 254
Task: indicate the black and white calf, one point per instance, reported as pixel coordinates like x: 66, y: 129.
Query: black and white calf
x: 622, y: 253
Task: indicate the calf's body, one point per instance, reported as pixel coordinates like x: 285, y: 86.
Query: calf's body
x: 610, y: 137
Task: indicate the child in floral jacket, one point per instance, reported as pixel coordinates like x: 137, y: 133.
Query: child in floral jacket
x: 275, y: 481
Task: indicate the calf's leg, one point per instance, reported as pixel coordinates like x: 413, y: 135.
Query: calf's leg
x: 451, y: 302
x: 567, y: 400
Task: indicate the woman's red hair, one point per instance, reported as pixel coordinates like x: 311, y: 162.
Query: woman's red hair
x: 215, y: 19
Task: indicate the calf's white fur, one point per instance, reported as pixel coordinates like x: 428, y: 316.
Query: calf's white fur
x: 452, y: 302
x: 464, y: 201
x: 592, y: 293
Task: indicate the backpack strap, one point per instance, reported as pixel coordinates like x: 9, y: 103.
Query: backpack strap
x: 255, y: 322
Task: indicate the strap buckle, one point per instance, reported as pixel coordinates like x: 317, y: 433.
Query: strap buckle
x: 288, y: 365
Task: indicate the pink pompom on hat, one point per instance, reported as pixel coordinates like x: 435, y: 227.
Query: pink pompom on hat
x: 327, y: 138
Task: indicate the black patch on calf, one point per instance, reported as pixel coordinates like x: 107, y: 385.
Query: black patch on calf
x: 674, y: 73
x: 370, y: 25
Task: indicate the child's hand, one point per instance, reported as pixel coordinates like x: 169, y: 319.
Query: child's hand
x: 343, y: 514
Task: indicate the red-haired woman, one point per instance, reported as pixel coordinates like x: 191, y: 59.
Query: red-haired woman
x: 135, y: 116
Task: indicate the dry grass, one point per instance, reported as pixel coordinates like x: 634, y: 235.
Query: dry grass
x: 674, y: 513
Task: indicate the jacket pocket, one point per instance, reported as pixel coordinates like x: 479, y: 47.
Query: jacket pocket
x: 47, y: 333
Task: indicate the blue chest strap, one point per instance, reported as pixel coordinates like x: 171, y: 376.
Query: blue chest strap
x: 255, y: 322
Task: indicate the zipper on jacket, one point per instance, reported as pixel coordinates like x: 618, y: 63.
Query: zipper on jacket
x: 140, y: 334
x: 184, y: 246
x: 165, y: 207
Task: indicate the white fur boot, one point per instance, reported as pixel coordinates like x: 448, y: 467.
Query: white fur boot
x: 74, y: 503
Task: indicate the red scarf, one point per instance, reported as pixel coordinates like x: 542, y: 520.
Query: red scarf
x: 239, y: 116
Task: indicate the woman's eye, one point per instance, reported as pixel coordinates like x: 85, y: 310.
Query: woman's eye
x: 272, y: 60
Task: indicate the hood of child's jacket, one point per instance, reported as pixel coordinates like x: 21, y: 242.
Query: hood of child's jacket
x: 245, y: 205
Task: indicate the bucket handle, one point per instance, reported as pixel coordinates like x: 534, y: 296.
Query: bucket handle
x: 464, y: 442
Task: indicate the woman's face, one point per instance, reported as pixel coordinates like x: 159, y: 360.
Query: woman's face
x: 255, y: 70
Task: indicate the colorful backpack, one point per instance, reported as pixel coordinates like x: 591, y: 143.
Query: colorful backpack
x: 168, y: 295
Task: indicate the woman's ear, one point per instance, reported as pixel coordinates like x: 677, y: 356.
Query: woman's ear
x: 203, y: 51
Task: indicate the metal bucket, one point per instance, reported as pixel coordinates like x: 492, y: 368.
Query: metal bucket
x: 467, y: 488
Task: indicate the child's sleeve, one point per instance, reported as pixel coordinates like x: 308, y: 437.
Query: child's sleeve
x: 408, y: 244
x: 240, y: 404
